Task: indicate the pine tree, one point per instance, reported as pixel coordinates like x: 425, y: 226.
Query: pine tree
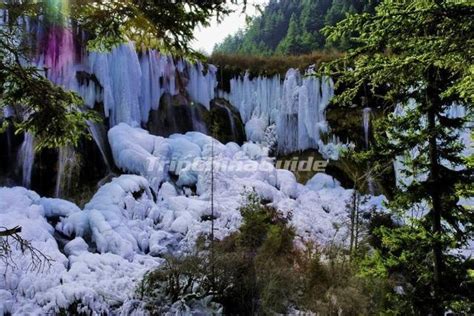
x: 421, y: 54
x: 267, y: 34
x: 291, y: 43
x: 312, y: 21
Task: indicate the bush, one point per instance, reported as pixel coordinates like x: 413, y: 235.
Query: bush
x: 269, y: 66
x: 258, y: 270
x: 180, y: 284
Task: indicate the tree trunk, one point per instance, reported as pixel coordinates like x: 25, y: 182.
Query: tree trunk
x: 437, y: 207
x: 352, y: 217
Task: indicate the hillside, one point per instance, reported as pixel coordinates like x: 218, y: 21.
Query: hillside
x: 292, y: 27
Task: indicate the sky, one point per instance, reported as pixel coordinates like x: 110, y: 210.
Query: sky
x: 206, y: 38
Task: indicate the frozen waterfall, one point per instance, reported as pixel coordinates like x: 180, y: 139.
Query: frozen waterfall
x: 26, y: 158
x: 132, y: 84
x: 128, y: 82
x: 295, y: 105
x: 366, y: 124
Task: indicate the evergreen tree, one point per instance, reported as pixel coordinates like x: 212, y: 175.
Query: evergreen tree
x: 269, y: 32
x: 421, y: 54
x: 291, y: 43
x: 312, y: 21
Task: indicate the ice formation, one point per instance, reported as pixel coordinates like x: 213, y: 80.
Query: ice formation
x: 26, y: 158
x: 96, y: 281
x: 237, y: 169
x: 162, y: 202
x: 130, y: 83
x: 366, y: 124
x: 160, y: 207
x: 296, y: 106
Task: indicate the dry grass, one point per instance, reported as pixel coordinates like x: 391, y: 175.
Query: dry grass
x: 261, y: 65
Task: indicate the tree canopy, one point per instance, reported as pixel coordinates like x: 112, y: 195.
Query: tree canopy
x: 420, y: 53
x: 290, y: 27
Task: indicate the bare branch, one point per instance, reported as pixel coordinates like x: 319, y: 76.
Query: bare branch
x: 11, y: 240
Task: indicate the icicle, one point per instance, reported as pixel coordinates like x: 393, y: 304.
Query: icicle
x: 295, y: 106
x: 287, y: 124
x: 101, y: 142
x: 26, y: 158
x: 366, y: 123
x: 151, y: 89
x: 67, y: 162
x: 201, y: 87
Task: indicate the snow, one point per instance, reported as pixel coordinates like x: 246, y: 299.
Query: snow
x: 76, y: 247
x: 237, y: 169
x: 101, y: 252
x: 58, y: 207
x: 322, y: 181
x: 255, y: 129
x: 162, y: 202
x: 115, y: 220
x: 286, y: 182
x: 97, y: 281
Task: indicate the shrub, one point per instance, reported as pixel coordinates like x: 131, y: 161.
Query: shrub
x: 258, y: 270
x: 269, y: 65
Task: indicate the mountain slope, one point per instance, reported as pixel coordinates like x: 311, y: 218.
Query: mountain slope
x: 291, y: 27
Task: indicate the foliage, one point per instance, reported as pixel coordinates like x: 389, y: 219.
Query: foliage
x: 167, y: 26
x: 293, y: 27
x: 405, y: 254
x: 421, y: 54
x: 259, y: 270
x: 49, y: 112
x: 178, y: 279
x: 268, y: 66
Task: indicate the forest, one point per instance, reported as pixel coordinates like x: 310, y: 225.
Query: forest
x: 293, y: 28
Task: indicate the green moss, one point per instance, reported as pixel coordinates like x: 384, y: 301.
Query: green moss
x: 222, y: 117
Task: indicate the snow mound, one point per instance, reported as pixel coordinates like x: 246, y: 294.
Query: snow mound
x: 100, y: 253
x: 118, y: 219
x: 96, y: 282
x: 319, y: 208
x: 322, y: 181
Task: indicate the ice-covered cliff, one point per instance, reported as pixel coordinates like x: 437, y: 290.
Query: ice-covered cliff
x: 296, y: 105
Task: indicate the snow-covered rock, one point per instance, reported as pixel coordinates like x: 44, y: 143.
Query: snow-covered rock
x: 100, y: 253
x: 322, y: 181
x: 97, y: 282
